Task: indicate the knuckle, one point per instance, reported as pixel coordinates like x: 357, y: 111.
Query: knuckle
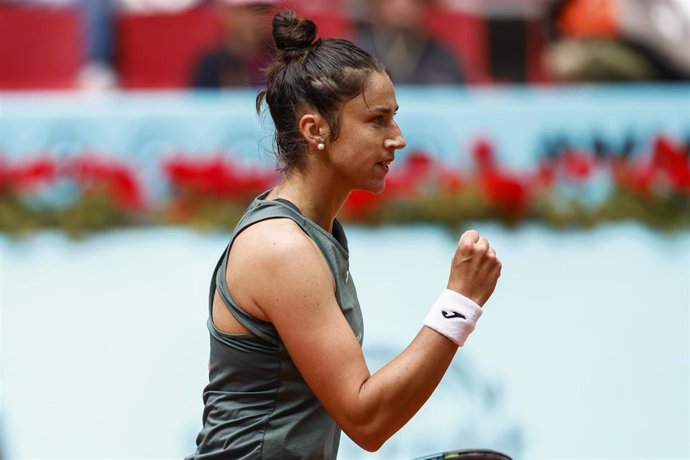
x: 465, y: 247
x: 470, y: 235
x: 471, y: 232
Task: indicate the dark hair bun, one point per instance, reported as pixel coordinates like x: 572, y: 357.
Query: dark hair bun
x: 291, y: 33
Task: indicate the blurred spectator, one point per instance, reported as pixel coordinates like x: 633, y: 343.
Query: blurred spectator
x: 245, y: 47
x: 620, y: 40
x: 97, y: 19
x: 394, y: 32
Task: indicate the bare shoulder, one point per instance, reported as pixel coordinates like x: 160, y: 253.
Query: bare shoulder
x: 271, y: 259
x: 274, y: 241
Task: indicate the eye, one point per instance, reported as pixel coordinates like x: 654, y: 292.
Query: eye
x: 379, y: 120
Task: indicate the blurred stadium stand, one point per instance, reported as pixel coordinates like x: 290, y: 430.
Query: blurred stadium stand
x: 466, y: 34
x: 157, y: 50
x: 40, y: 47
x: 497, y: 41
x: 144, y: 62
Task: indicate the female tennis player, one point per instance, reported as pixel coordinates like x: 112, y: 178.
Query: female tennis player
x: 286, y: 370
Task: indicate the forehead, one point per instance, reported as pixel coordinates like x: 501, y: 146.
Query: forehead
x: 378, y: 93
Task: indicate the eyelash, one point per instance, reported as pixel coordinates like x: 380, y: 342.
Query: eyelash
x: 380, y: 120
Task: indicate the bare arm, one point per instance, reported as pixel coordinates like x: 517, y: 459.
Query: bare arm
x: 293, y: 287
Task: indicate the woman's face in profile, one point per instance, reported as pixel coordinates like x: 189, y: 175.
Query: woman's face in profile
x: 368, y: 137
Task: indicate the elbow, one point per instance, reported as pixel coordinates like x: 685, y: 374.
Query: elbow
x: 373, y: 445
x: 368, y: 442
x: 368, y: 425
x: 368, y: 435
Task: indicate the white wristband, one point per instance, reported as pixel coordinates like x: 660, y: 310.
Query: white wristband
x: 454, y: 316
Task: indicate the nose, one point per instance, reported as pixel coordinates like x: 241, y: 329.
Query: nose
x: 396, y: 141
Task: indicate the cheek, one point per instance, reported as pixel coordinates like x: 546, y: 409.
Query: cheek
x: 357, y: 147
x: 368, y: 140
x: 360, y: 155
x: 347, y: 157
x: 349, y: 162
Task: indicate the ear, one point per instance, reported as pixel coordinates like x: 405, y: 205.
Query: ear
x: 314, y: 129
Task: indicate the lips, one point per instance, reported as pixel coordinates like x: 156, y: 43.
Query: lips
x: 385, y: 165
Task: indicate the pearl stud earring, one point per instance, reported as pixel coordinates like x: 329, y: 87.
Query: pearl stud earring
x: 321, y: 146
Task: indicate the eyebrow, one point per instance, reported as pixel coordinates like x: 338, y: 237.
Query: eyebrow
x: 385, y: 109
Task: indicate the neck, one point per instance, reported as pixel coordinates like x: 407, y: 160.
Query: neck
x: 318, y: 199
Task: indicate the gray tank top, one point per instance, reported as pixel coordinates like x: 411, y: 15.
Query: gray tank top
x: 257, y: 405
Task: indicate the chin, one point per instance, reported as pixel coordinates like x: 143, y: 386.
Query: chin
x: 376, y: 187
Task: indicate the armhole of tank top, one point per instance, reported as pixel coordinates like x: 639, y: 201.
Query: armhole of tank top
x: 216, y: 289
x: 240, y: 314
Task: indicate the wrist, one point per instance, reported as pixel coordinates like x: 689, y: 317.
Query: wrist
x: 456, y: 287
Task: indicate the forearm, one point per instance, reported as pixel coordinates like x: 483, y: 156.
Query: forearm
x: 389, y: 398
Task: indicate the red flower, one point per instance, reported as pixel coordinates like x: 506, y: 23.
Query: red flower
x: 671, y: 162
x: 110, y: 177
x: 483, y: 155
x: 29, y: 175
x: 576, y: 166
x: 634, y: 176
x: 418, y: 165
x: 216, y: 177
x: 506, y: 192
x: 668, y: 168
x: 544, y: 177
x: 450, y: 181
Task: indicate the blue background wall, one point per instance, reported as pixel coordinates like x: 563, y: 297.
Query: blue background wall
x: 441, y: 120
x: 583, y: 352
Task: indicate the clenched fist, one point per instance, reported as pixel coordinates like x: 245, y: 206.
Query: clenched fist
x: 475, y: 268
